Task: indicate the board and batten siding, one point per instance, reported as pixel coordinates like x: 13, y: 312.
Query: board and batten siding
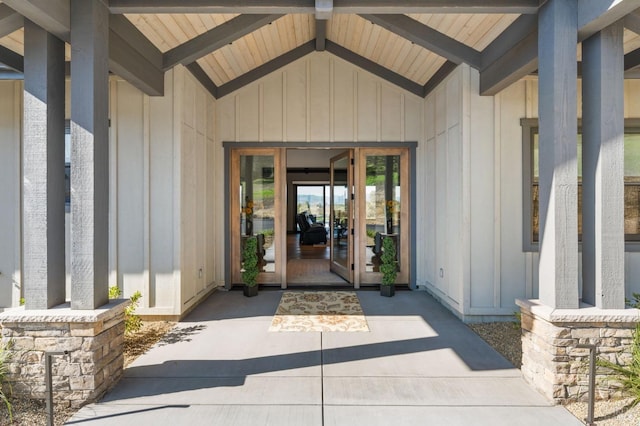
x: 164, y: 230
x: 319, y: 98
x: 473, y: 259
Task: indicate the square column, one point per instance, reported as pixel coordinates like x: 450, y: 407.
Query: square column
x: 557, y: 40
x: 43, y: 169
x: 89, y: 154
x: 603, y: 169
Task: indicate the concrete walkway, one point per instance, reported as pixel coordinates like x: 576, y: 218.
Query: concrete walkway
x: 419, y: 365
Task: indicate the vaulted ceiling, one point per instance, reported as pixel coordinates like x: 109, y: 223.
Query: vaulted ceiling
x: 228, y: 44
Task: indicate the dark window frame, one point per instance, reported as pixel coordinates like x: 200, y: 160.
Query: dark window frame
x: 530, y: 127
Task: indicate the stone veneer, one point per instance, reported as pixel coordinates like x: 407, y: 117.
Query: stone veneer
x: 553, y: 364
x: 93, y: 338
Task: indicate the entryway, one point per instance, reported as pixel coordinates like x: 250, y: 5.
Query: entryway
x: 364, y: 195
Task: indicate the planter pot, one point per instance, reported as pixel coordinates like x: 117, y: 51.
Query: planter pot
x: 387, y: 290
x: 250, y: 291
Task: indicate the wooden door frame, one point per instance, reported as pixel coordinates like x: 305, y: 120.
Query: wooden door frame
x: 228, y: 146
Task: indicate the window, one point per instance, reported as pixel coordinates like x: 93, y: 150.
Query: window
x: 531, y: 175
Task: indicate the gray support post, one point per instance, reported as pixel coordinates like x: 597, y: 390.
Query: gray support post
x: 89, y: 154
x: 558, y: 266
x: 603, y: 169
x: 43, y: 169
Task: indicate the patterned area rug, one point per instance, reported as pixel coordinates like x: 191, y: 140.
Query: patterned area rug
x: 319, y: 311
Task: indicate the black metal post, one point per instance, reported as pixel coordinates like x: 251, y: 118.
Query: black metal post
x: 592, y: 381
x: 49, y: 384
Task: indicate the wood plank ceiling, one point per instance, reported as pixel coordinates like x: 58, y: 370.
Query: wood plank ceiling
x: 350, y: 31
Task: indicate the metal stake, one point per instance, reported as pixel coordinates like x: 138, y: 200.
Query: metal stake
x: 592, y: 380
x: 49, y: 383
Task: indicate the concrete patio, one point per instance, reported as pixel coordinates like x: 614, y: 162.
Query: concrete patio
x: 418, y: 365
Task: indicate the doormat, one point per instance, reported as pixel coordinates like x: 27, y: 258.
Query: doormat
x: 319, y: 311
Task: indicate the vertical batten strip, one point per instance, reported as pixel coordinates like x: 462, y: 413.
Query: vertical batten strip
x: 307, y: 88
x: 261, y: 112
x: 284, y: 106
x: 146, y: 223
x: 497, y: 200
x: 355, y: 106
x: 332, y: 98
x: 16, y: 275
x: 113, y: 185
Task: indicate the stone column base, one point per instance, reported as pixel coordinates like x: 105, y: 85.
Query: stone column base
x: 553, y: 364
x: 93, y: 338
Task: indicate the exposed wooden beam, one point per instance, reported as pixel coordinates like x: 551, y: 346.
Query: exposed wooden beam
x: 437, y: 78
x: 632, y: 60
x: 51, y: 15
x: 10, y: 20
x: 522, y: 27
x: 214, y: 39
x: 428, y: 38
x: 595, y: 15
x: 266, y: 68
x: 133, y: 57
x: 321, y: 34
x: 375, y: 68
x: 518, y: 62
x: 11, y: 59
x: 632, y: 22
x: 309, y: 6
x: 131, y: 65
x: 203, y: 78
x: 138, y: 41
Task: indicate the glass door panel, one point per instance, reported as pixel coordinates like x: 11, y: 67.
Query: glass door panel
x: 255, y: 210
x: 384, y: 210
x: 342, y: 216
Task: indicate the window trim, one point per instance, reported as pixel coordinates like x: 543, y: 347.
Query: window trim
x: 529, y: 127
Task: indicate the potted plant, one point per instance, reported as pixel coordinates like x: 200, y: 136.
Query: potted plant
x: 388, y: 267
x: 250, y: 267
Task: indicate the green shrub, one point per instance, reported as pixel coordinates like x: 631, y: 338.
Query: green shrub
x: 628, y: 376
x: 132, y: 322
x: 388, y: 267
x: 250, y: 265
x: 5, y: 357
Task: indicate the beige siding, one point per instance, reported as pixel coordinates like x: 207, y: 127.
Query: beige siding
x: 164, y: 227
x: 10, y: 190
x: 473, y: 196
x: 319, y: 98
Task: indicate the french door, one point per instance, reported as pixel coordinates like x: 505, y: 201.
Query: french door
x: 342, y: 214
x: 383, y: 210
x: 257, y: 188
x: 369, y: 201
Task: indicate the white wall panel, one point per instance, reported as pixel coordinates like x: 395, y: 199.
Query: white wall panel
x: 10, y: 190
x: 272, y: 105
x: 482, y: 195
x: 161, y: 214
x: 130, y: 203
x: 319, y: 98
x: 344, y: 91
x: 391, y: 108
x: 295, y: 98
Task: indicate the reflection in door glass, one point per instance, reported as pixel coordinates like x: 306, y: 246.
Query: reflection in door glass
x: 340, y: 204
x: 257, y: 206
x: 382, y: 204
